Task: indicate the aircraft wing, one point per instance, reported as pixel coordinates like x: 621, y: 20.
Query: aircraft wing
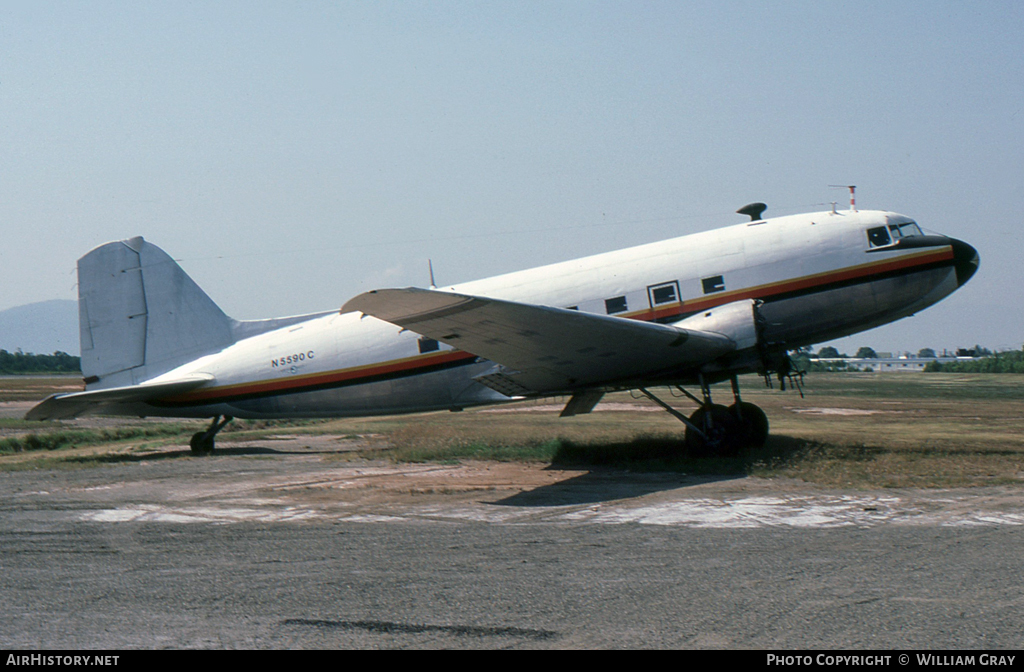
x: 544, y: 349
x: 59, y: 406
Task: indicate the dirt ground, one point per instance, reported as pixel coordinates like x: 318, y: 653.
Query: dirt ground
x: 317, y: 478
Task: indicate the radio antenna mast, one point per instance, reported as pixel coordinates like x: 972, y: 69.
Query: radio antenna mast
x: 852, y: 188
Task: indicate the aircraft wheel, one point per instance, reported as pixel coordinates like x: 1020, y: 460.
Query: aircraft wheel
x: 200, y: 444
x: 722, y: 435
x: 753, y: 424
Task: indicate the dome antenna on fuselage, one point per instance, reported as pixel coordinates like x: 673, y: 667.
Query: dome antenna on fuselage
x: 852, y: 188
x: 754, y: 210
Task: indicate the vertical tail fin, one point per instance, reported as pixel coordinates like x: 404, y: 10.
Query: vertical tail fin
x: 140, y: 315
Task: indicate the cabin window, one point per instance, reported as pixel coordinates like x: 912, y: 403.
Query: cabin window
x: 427, y: 345
x: 664, y: 293
x: 903, y: 230
x: 713, y: 284
x: 878, y: 237
x: 616, y: 305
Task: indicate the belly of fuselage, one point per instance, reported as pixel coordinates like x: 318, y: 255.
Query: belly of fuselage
x: 826, y: 313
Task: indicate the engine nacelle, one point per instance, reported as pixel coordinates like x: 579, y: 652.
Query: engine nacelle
x: 737, y: 321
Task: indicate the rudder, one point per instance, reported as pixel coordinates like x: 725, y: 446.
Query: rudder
x: 140, y: 315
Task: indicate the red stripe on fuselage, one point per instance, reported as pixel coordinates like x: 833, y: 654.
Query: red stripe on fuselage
x: 318, y: 380
x: 795, y: 285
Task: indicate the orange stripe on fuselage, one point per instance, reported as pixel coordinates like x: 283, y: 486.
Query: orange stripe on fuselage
x: 326, y: 378
x: 796, y: 284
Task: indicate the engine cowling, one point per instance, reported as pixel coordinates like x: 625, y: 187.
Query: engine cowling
x: 737, y: 321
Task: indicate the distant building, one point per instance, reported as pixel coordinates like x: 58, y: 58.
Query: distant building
x: 908, y: 363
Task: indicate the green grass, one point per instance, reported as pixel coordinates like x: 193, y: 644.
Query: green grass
x: 963, y: 387
x: 58, y: 461
x: 71, y: 438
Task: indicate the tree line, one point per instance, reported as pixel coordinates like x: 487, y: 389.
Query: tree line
x: 18, y: 362
x: 1011, y: 361
x: 984, y: 360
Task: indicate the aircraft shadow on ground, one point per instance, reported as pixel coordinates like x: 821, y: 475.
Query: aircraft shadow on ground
x: 235, y: 451
x: 603, y: 485
x: 644, y: 466
x: 127, y: 458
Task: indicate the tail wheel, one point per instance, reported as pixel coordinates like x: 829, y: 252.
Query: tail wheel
x: 752, y: 424
x: 201, y: 444
x: 722, y: 435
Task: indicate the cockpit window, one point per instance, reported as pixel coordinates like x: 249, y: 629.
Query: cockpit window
x: 904, y: 230
x: 878, y: 237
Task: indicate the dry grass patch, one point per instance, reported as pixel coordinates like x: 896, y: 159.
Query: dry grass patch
x: 851, y: 430
x: 37, y: 388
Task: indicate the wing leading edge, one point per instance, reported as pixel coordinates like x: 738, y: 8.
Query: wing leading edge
x: 543, y: 349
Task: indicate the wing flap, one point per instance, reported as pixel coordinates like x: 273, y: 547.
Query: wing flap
x: 540, y: 348
x: 61, y: 406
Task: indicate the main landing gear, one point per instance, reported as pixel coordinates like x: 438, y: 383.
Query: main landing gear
x: 202, y: 442
x: 714, y: 429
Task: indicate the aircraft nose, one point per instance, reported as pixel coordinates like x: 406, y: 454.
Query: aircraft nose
x: 965, y: 261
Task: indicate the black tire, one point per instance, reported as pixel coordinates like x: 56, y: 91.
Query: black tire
x: 200, y: 444
x: 752, y: 422
x: 722, y: 432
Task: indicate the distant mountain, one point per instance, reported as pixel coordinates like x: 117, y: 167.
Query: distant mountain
x: 42, y: 328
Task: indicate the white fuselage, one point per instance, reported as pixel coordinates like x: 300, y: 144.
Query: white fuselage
x: 817, y: 275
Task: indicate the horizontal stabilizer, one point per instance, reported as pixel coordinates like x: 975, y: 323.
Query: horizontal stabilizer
x: 60, y: 406
x: 545, y: 349
x: 581, y: 403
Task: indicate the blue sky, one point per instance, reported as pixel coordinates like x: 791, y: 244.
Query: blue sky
x: 294, y: 154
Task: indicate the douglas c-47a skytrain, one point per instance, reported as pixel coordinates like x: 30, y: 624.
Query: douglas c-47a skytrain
x: 690, y: 311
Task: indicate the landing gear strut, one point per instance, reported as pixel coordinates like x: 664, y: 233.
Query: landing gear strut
x: 202, y: 442
x: 714, y: 429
